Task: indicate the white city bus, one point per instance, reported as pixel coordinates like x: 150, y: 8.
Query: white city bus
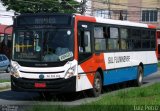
x: 62, y: 53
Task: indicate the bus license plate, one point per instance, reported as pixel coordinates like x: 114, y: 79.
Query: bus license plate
x: 40, y: 85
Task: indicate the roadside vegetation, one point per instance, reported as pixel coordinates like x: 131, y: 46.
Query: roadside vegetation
x: 158, y: 64
x: 3, y: 80
x: 124, y: 100
x: 4, y: 86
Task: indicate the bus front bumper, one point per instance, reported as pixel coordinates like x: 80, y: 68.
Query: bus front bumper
x: 54, y: 85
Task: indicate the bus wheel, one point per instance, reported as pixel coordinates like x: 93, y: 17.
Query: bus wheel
x: 139, y: 80
x: 97, y: 85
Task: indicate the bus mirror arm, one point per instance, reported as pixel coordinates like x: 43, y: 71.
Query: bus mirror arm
x: 7, y: 28
x: 5, y: 35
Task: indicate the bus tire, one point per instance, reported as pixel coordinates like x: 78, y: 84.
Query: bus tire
x: 139, y: 80
x: 97, y: 86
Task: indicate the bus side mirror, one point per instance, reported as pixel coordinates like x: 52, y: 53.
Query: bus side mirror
x: 5, y: 39
x: 6, y: 35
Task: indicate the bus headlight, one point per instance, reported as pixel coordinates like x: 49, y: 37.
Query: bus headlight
x: 14, y: 69
x: 70, y: 72
x: 14, y: 64
x: 14, y: 72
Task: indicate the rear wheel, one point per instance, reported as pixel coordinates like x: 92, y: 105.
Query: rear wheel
x: 97, y: 86
x: 139, y: 80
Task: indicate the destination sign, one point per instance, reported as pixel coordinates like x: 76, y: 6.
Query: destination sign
x: 44, y: 20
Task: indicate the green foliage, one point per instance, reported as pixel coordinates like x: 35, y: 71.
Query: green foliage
x: 34, y: 6
x: 123, y: 100
x: 137, y: 96
x: 3, y: 80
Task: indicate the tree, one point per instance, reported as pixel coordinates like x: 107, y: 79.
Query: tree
x: 34, y: 6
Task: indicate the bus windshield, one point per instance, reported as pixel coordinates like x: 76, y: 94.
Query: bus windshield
x: 50, y: 45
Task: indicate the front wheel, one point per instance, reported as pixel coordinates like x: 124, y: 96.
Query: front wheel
x: 97, y: 86
x: 139, y: 80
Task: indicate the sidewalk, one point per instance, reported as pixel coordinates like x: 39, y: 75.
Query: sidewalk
x: 5, y: 85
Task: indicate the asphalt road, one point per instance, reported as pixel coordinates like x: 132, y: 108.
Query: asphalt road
x: 9, y: 97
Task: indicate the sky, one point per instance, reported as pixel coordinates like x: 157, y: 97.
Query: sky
x: 79, y: 0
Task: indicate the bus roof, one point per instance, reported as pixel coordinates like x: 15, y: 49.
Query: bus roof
x: 118, y: 22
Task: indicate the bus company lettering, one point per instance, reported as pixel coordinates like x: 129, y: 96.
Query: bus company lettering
x: 118, y: 59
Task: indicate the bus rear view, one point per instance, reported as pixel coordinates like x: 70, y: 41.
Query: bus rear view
x: 43, y: 53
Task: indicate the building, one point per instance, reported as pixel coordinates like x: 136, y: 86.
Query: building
x: 5, y: 16
x: 144, y: 11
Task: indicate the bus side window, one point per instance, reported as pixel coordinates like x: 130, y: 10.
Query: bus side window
x: 145, y: 39
x: 136, y: 37
x: 100, y: 38
x: 84, y: 41
x: 153, y: 40
x: 124, y: 38
x: 113, y: 41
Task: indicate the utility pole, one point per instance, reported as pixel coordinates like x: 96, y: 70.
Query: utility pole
x: 83, y: 7
x: 109, y: 9
x: 120, y: 15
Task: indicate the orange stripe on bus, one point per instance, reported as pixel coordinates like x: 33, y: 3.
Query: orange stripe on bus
x: 91, y: 65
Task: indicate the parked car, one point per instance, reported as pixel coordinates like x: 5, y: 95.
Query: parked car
x: 4, y: 63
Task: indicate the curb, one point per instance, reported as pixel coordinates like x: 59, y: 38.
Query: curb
x: 5, y: 85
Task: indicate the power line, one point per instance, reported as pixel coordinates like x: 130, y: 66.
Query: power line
x: 116, y: 10
x: 142, y: 2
